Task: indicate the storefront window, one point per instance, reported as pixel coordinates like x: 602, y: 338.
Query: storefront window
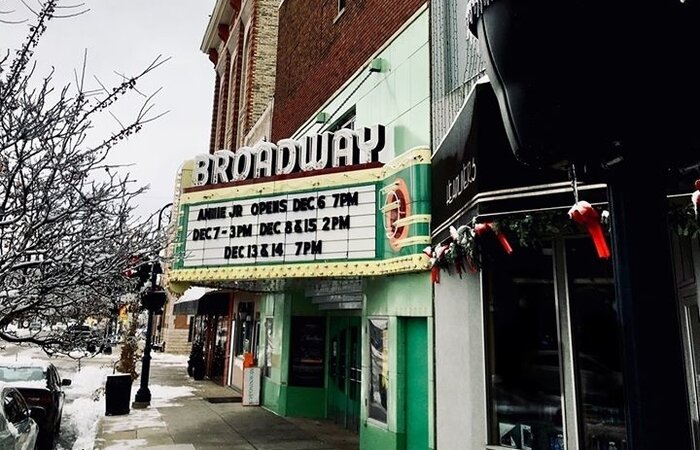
x: 244, y: 328
x: 523, y: 352
x: 308, y: 341
x: 597, y: 350
x: 378, y: 369
x: 190, y: 325
x: 527, y: 344
x: 219, y: 350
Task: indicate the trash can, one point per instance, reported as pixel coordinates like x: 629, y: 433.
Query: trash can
x: 117, y: 395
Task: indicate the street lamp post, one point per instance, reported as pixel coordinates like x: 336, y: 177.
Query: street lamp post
x: 143, y: 395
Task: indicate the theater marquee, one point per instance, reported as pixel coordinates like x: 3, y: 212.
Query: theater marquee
x: 358, y: 220
x: 332, y: 224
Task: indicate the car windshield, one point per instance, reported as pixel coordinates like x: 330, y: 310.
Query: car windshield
x: 10, y: 374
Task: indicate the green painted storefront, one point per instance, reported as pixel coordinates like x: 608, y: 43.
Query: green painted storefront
x: 404, y: 301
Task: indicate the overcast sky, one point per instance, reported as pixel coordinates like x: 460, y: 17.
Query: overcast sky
x: 125, y: 36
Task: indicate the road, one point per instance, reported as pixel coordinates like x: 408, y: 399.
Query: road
x: 84, y: 401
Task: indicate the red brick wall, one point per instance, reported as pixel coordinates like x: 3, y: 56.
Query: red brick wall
x: 316, y: 56
x: 236, y: 86
x: 214, y: 111
x: 223, y: 103
x: 181, y: 323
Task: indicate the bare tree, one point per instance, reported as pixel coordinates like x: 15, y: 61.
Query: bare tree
x: 68, y: 227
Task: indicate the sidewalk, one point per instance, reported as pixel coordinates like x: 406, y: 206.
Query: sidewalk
x: 180, y: 418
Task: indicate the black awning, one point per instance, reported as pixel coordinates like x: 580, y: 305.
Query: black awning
x: 210, y: 303
x: 474, y: 171
x: 214, y: 303
x: 186, y: 308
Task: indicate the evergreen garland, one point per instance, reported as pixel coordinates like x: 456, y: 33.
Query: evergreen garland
x: 463, y: 250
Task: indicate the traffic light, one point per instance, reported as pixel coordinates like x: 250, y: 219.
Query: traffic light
x: 142, y: 270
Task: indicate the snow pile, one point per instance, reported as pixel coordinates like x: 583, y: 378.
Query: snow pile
x: 88, y: 405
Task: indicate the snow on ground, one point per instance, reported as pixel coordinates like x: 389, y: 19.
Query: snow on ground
x: 167, y: 358
x: 26, y: 354
x: 163, y: 396
x: 85, y: 401
x: 136, y: 419
x: 127, y: 444
x: 88, y: 405
x: 138, y: 443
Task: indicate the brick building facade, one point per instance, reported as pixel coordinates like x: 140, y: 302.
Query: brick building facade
x: 241, y: 42
x: 321, y: 47
x: 334, y: 318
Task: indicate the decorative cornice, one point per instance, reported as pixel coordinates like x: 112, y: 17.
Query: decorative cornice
x: 213, y: 56
x: 412, y: 263
x: 222, y: 14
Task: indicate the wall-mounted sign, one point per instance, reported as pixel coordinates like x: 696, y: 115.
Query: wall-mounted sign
x: 344, y: 147
x: 251, y: 386
x: 332, y: 224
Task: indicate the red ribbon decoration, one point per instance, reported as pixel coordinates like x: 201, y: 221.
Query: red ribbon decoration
x: 482, y: 228
x: 471, y: 265
x: 584, y: 214
x: 435, y: 275
x: 696, y: 198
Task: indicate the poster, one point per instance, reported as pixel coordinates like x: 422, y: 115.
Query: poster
x: 379, y: 369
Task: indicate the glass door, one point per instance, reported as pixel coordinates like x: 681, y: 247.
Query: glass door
x: 344, y: 372
x: 690, y: 321
x: 596, y: 348
x: 554, y: 350
x: 523, y: 353
x: 686, y: 253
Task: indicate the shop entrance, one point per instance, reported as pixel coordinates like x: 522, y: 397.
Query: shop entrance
x: 686, y: 253
x: 344, y: 372
x: 417, y: 410
x: 554, y: 350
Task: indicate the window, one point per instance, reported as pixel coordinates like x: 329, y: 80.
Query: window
x: 308, y: 343
x: 244, y: 328
x: 523, y: 368
x: 378, y: 369
x: 220, y: 339
x: 597, y: 350
x: 347, y: 120
x: 243, y: 89
x: 15, y: 408
x: 190, y: 331
x: 553, y: 350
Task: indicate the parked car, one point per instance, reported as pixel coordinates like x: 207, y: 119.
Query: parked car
x: 42, y: 388
x: 82, y: 336
x: 18, y: 431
